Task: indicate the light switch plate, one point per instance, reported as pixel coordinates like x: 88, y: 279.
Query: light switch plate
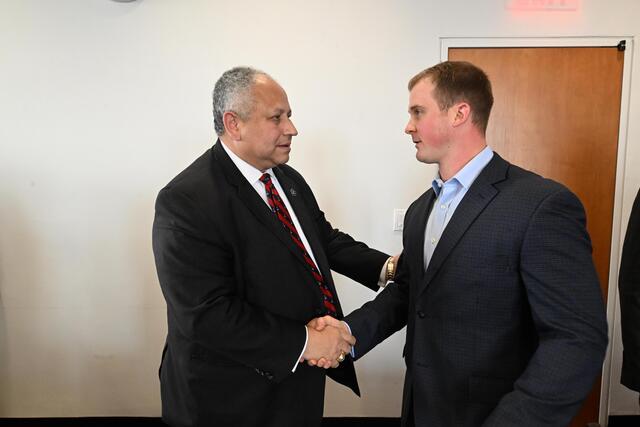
x: 398, y: 219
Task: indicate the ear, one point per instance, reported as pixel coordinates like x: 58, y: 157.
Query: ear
x: 231, y: 124
x: 460, y: 114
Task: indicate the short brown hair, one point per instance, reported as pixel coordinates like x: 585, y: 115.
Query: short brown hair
x: 457, y: 81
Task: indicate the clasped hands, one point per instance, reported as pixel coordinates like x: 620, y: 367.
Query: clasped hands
x: 328, y: 342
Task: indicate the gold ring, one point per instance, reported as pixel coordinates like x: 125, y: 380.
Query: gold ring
x: 340, y: 358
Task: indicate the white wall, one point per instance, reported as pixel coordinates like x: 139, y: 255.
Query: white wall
x: 101, y: 103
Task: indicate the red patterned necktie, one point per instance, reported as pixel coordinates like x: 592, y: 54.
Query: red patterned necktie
x: 278, y: 207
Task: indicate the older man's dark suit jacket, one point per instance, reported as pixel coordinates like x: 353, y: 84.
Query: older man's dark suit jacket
x: 629, y: 286
x: 507, y: 326
x: 238, y: 295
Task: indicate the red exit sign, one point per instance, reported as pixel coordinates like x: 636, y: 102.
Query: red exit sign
x: 542, y: 4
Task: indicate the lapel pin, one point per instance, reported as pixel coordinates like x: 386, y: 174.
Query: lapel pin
x: 293, y: 192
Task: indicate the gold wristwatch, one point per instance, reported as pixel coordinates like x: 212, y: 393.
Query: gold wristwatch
x: 391, y: 270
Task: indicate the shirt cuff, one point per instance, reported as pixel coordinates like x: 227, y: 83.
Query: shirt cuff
x: 306, y: 338
x: 382, y: 279
x: 353, y: 349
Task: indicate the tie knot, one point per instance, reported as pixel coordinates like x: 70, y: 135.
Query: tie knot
x: 265, y: 178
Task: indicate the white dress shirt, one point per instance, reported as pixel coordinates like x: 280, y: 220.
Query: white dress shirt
x: 252, y: 175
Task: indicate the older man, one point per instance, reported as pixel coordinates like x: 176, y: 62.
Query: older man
x: 243, y: 254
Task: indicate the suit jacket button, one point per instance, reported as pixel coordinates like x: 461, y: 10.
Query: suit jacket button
x: 421, y: 314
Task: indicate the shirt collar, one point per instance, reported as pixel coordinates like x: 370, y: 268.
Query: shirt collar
x: 468, y: 174
x: 250, y: 172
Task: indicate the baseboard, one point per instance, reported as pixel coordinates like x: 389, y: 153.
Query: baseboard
x: 624, y: 421
x: 156, y: 422
x: 361, y: 422
x: 83, y: 422
x: 614, y: 421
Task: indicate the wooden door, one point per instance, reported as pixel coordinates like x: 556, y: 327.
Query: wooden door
x: 557, y: 112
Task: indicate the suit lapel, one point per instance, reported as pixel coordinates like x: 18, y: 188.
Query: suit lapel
x: 480, y: 194
x: 248, y: 195
x: 294, y: 195
x: 296, y: 200
x: 417, y: 227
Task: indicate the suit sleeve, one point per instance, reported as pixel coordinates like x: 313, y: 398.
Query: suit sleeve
x: 380, y: 318
x: 377, y: 320
x: 195, y: 269
x: 629, y: 287
x: 346, y: 255
x: 352, y: 258
x: 568, y: 314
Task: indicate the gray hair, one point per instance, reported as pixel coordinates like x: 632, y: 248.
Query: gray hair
x: 232, y: 92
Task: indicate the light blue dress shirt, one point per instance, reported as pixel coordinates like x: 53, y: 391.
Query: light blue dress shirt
x: 449, y: 194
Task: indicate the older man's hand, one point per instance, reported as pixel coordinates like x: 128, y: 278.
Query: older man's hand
x: 321, y: 324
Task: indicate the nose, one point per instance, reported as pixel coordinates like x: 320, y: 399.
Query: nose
x: 290, y: 128
x: 409, y: 128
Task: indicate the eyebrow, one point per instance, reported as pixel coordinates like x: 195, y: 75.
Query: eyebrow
x: 414, y: 108
x: 279, y: 112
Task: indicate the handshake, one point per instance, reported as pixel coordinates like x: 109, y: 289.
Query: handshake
x: 329, y: 342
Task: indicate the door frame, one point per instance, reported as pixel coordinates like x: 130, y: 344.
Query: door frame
x: 625, y: 99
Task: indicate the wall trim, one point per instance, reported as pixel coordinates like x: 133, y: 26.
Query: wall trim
x: 615, y: 421
x: 157, y: 422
